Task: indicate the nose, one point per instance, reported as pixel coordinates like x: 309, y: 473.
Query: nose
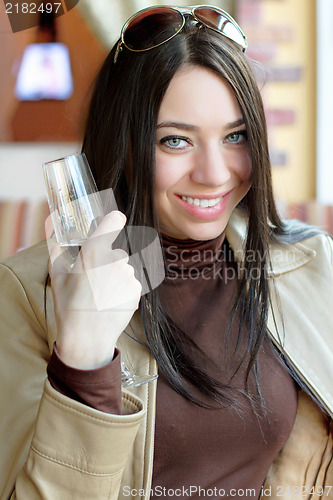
x: 211, y: 167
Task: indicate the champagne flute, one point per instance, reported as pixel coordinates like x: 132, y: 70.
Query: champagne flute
x: 76, y: 209
x: 75, y: 204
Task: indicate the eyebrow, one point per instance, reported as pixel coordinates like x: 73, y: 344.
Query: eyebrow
x: 178, y: 125
x: 188, y: 127
x: 235, y: 124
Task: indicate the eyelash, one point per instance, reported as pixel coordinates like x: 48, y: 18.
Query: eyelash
x: 241, y: 133
x: 174, y: 137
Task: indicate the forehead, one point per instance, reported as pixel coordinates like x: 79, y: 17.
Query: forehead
x: 197, y: 95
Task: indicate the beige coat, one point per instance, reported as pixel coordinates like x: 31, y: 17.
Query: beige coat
x: 54, y: 448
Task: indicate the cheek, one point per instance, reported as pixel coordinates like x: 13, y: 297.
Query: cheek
x: 167, y: 173
x: 244, y: 167
x: 161, y: 183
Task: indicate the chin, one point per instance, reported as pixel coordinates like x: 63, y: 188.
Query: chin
x: 204, y: 233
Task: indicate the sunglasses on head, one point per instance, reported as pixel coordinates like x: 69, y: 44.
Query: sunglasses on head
x: 154, y: 26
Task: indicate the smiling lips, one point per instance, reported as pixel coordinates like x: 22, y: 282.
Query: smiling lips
x: 204, y: 208
x: 203, y: 202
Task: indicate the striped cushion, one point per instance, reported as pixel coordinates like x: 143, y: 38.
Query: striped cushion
x: 21, y: 224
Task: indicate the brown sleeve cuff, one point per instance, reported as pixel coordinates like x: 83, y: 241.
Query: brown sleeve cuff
x: 100, y: 389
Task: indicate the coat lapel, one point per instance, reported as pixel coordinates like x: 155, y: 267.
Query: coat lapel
x: 300, y: 313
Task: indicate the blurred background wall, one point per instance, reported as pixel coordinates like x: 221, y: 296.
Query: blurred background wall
x: 290, y: 43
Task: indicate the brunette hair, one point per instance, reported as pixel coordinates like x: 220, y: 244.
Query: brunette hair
x: 120, y: 146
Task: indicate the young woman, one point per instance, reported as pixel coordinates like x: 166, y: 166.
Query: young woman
x: 239, y: 331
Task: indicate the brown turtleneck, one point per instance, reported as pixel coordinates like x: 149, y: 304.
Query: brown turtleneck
x: 212, y: 449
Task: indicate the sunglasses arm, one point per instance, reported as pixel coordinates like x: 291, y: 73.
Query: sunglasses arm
x: 118, y: 49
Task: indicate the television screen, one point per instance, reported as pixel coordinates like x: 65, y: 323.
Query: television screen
x: 44, y: 73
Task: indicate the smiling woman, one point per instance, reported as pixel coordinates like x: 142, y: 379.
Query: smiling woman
x: 203, y: 165
x: 244, y: 398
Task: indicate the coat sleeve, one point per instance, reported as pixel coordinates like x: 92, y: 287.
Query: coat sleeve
x: 51, y: 446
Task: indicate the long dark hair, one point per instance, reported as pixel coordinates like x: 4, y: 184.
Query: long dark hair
x: 120, y: 146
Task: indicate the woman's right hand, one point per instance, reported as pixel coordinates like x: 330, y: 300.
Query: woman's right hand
x: 95, y: 299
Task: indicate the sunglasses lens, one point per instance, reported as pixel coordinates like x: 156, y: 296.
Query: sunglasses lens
x: 151, y: 28
x: 219, y: 21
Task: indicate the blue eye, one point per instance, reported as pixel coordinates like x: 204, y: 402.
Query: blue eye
x: 175, y: 142
x: 237, y: 137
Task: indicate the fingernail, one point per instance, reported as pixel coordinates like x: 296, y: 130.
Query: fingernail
x: 120, y: 215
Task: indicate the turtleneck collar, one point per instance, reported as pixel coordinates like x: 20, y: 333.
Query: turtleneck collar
x: 185, y: 257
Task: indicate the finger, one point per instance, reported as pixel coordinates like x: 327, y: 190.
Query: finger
x: 52, y: 244
x: 49, y: 229
x: 97, y: 250
x: 118, y: 254
x: 60, y: 259
x: 53, y: 247
x: 110, y: 226
x: 123, y: 287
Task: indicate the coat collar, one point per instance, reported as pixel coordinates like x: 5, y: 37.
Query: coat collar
x: 284, y: 257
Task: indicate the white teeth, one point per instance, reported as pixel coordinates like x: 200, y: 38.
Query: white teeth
x: 204, y: 203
